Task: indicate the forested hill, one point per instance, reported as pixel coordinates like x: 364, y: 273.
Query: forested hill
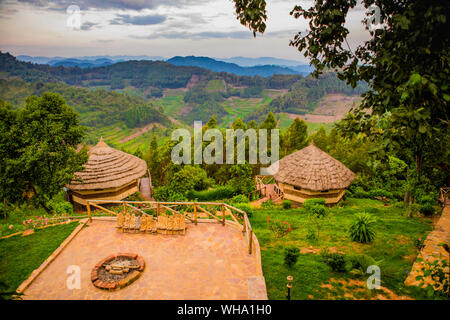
x: 304, y: 95
x: 138, y: 74
x: 221, y: 66
x: 97, y: 108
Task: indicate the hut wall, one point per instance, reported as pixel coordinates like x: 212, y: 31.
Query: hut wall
x: 301, y: 195
x: 80, y: 197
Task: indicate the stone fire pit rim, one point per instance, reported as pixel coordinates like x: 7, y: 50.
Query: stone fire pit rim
x: 132, y: 276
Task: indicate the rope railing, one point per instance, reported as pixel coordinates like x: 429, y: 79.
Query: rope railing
x: 190, y: 210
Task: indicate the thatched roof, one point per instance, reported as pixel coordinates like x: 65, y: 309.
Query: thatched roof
x: 313, y: 169
x: 108, y: 168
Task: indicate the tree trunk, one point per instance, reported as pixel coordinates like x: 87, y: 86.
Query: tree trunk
x: 406, y: 198
x: 47, y: 209
x: 410, y: 214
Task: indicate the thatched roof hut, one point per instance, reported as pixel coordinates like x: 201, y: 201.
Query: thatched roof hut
x: 311, y: 173
x: 109, y: 174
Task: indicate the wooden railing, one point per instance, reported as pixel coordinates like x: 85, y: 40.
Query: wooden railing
x: 190, y: 210
x: 444, y: 194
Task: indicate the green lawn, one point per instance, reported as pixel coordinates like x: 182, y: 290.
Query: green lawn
x: 394, y: 245
x: 19, y: 256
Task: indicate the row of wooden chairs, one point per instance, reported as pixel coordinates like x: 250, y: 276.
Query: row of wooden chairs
x: 173, y: 224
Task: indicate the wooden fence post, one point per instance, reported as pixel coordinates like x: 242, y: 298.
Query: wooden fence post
x: 89, y: 211
x: 124, y: 208
x: 223, y: 214
x: 195, y: 213
x: 250, y: 240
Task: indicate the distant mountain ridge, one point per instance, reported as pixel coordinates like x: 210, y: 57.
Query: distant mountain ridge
x: 221, y: 66
x: 242, y: 66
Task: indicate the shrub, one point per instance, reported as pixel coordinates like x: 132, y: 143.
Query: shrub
x: 268, y: 204
x: 419, y: 243
x: 287, y: 204
x: 311, y: 235
x: 61, y: 207
x: 219, y: 193
x: 427, y: 209
x: 360, y: 263
x: 240, y: 198
x: 279, y: 228
x: 244, y: 207
x: 312, y: 202
x: 165, y: 193
x: 375, y: 193
x: 361, y: 230
x: 291, y: 255
x: 427, y: 199
x: 335, y: 260
x: 360, y: 193
x: 318, y: 211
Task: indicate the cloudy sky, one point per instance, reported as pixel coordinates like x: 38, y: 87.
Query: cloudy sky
x: 151, y: 27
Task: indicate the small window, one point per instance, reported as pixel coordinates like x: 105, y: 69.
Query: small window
x: 324, y: 191
x: 297, y: 188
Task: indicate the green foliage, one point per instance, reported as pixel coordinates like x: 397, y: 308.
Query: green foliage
x: 380, y: 193
x: 291, y: 255
x: 286, y: 204
x: 311, y: 235
x: 312, y: 202
x: 335, y: 260
x: 427, y: 209
x: 96, y: 107
x: 296, y: 137
x: 244, y: 207
x: 268, y: 204
x: 240, y: 198
x: 189, y: 178
x: 60, y: 207
x: 361, y: 229
x: 218, y: 193
x: 278, y: 228
x: 165, y: 193
x: 360, y: 262
x: 45, y: 157
x: 437, y: 270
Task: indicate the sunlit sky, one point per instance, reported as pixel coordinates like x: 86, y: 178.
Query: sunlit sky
x: 154, y: 27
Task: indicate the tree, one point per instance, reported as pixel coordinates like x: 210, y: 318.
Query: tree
x: 320, y: 139
x: 296, y: 137
x: 11, y: 179
x: 46, y: 147
x: 405, y: 63
x: 269, y: 123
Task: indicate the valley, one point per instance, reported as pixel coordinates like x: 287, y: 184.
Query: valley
x: 129, y: 102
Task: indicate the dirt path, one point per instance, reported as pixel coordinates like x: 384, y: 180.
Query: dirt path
x: 432, y: 250
x: 139, y: 132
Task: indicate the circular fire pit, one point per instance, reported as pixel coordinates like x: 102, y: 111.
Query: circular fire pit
x: 117, y: 271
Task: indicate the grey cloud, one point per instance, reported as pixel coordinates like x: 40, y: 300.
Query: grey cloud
x: 138, y: 20
x: 110, y: 4
x: 212, y: 35
x: 86, y: 26
x: 197, y: 35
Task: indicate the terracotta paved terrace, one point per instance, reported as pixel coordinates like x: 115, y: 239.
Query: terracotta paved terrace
x: 210, y: 261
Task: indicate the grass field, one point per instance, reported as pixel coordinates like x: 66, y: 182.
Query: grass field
x: 314, y: 279
x: 19, y: 256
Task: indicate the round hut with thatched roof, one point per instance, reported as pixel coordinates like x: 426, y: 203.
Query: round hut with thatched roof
x: 311, y: 173
x: 109, y: 174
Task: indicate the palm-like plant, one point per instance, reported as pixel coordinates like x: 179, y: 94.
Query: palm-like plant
x: 361, y: 229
